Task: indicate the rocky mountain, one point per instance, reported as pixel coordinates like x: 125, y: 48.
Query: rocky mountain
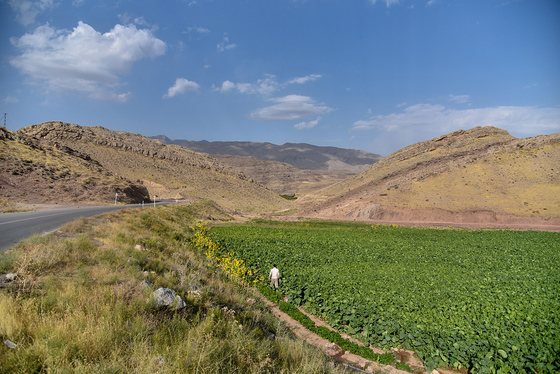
x: 167, y: 171
x: 301, y: 155
x: 479, y: 175
x: 482, y: 175
x: 32, y: 172
x: 283, y: 178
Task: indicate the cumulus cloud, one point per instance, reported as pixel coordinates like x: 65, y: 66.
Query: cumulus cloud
x: 265, y: 86
x: 225, y: 44
x: 425, y: 121
x: 199, y: 30
x: 181, y: 86
x: 84, y: 59
x: 26, y: 10
x: 308, y: 125
x: 289, y: 108
x: 302, y: 80
x: 388, y: 2
x: 126, y: 18
x: 460, y: 99
x: 10, y: 100
x: 227, y: 86
x: 523, y: 121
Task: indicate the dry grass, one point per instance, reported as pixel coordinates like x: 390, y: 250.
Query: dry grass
x: 524, y: 183
x: 166, y: 171
x: 42, y: 174
x: 170, y: 179
x: 78, y: 305
x: 483, y: 169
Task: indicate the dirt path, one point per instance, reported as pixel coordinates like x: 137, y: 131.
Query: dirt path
x: 345, y: 357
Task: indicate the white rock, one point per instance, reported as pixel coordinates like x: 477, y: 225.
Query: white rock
x: 167, y: 297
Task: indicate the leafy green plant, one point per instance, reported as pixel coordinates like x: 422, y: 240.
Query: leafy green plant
x: 289, y: 197
x: 334, y: 337
x: 483, y: 300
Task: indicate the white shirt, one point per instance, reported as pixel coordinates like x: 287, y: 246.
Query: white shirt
x: 274, y: 273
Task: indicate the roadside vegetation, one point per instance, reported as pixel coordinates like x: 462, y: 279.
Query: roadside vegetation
x: 483, y: 301
x: 81, y: 303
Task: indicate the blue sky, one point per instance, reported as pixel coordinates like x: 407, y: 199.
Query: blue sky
x: 375, y: 75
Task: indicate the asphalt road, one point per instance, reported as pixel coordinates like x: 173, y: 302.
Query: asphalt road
x: 15, y: 227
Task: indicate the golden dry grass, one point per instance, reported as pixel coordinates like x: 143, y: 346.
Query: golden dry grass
x: 30, y: 173
x: 167, y: 171
x: 78, y: 304
x: 460, y: 172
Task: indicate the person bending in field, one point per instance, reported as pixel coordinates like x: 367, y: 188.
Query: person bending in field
x: 273, y: 277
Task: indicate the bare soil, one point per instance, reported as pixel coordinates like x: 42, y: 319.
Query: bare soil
x: 438, y: 218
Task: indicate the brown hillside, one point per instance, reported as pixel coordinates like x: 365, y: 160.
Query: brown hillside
x: 480, y: 175
x: 34, y: 173
x: 165, y: 170
x: 301, y: 155
x: 283, y: 178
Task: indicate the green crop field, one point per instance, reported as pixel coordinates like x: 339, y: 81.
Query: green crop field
x: 485, y: 300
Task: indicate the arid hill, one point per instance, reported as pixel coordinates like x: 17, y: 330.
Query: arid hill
x: 301, y: 155
x: 481, y: 175
x: 36, y: 173
x: 164, y: 170
x: 282, y: 178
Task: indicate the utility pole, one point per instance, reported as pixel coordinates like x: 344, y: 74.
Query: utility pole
x: 5, y: 114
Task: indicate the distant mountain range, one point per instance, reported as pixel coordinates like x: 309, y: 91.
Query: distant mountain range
x: 57, y: 162
x: 482, y: 176
x: 301, y: 155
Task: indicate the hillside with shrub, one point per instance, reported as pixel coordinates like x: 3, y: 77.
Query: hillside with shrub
x: 482, y: 175
x: 167, y: 171
x: 36, y: 173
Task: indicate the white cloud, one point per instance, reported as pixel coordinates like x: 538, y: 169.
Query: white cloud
x: 225, y: 44
x: 246, y: 88
x: 460, y: 99
x: 26, y: 10
x: 388, y: 2
x: 302, y: 80
x: 111, y: 96
x: 181, y: 86
x: 83, y: 59
x: 265, y: 86
x: 307, y: 125
x: 523, y: 121
x: 200, y: 30
x: 421, y: 122
x: 10, y: 100
x: 227, y: 86
x: 289, y: 108
x: 139, y: 21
